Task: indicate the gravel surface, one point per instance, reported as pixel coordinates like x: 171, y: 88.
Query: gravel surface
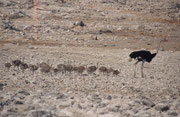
x: 77, y: 64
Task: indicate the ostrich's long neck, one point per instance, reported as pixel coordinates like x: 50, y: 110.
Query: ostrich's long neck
x: 159, y: 45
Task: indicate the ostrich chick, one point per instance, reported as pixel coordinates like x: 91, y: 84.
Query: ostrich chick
x: 103, y: 69
x: 91, y: 69
x: 7, y: 65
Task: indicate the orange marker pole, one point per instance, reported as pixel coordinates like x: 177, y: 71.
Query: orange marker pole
x: 35, y: 17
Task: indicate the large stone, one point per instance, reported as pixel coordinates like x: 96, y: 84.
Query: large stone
x: 162, y: 107
x: 147, y: 102
x: 24, y: 93
x: 41, y: 113
x: 173, y: 114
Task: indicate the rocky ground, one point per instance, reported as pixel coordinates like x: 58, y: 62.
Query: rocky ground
x: 99, y: 33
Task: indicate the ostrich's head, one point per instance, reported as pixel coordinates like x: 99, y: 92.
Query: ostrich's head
x: 159, y: 45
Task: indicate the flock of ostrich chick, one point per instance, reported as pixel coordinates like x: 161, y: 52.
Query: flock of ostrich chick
x: 140, y: 56
x: 63, y: 68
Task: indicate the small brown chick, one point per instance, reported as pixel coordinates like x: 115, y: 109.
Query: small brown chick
x: 110, y: 70
x: 68, y: 68
x: 116, y: 72
x: 23, y: 66
x: 91, y: 69
x: 16, y: 63
x: 103, y: 69
x: 42, y: 64
x: 45, y: 68
x: 7, y: 65
x: 55, y: 70
x: 33, y: 67
x: 61, y: 67
x: 80, y: 69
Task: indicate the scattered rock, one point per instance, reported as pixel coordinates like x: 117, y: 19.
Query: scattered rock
x: 173, y: 114
x: 24, y: 93
x: 1, y: 4
x: 64, y: 105
x: 94, y: 37
x: 15, y: 110
x: 122, y: 2
x: 27, y: 82
x: 117, y: 22
x: 115, y: 108
x: 6, y: 103
x: 177, y: 5
x: 109, y: 97
x: 1, y: 86
x: 8, y: 25
x: 162, y: 107
x: 79, y: 106
x: 104, y: 31
x: 29, y: 108
x: 31, y: 39
x: 61, y: 96
x: 17, y: 15
x: 147, y: 102
x: 14, y: 42
x: 101, y: 105
x: 19, y: 102
x: 10, y: 114
x: 41, y: 113
x: 79, y: 23
x: 96, y: 98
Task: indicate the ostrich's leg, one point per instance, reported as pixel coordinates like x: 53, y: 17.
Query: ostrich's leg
x: 142, y: 65
x: 135, y: 68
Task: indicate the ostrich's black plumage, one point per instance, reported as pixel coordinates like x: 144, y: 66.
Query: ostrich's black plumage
x: 142, y: 55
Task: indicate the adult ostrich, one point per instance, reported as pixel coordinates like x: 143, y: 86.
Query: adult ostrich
x: 143, y: 56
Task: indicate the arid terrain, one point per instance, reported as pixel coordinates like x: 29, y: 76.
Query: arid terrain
x: 73, y: 60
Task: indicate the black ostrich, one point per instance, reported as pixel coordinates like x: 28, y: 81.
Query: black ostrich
x: 143, y: 56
